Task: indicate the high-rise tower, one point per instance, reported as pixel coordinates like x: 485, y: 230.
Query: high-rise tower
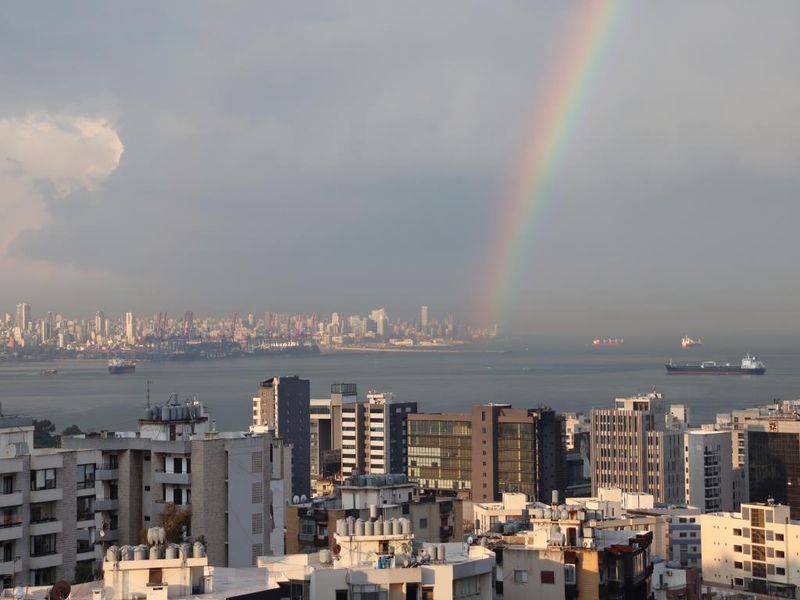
x: 283, y: 403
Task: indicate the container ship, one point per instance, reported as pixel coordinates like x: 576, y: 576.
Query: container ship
x: 688, y: 342
x: 603, y: 343
x: 120, y: 366
x: 750, y: 366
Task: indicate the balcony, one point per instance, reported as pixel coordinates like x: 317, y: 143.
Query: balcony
x: 45, y: 561
x: 46, y: 527
x: 106, y: 473
x: 12, y: 499
x: 445, y: 533
x: 106, y: 504
x: 172, y: 478
x: 46, y: 495
x: 110, y: 535
x: 11, y: 566
x: 10, y: 531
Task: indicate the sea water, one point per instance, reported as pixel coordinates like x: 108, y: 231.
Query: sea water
x: 566, y: 379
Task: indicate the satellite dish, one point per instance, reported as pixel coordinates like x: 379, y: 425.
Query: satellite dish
x: 60, y: 590
x: 295, y: 499
x: 303, y: 498
x: 336, y: 549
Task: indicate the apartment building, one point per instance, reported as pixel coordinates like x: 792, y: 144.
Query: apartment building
x: 174, y: 459
x: 632, y: 449
x: 48, y: 498
x: 752, y: 550
x: 490, y: 450
x: 709, y: 474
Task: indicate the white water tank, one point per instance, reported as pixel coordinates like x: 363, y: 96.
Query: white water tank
x: 441, y: 552
x: 341, y: 527
x: 155, y: 552
x: 198, y: 550
x: 379, y: 528
x: 360, y: 527
x: 112, y: 554
x: 405, y: 526
x: 172, y: 551
x: 369, y: 528
x: 140, y: 553
x: 373, y: 511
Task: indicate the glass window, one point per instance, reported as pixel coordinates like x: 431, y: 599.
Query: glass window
x: 520, y: 576
x: 85, y: 475
x: 43, y: 479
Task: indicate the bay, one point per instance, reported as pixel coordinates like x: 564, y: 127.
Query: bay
x: 566, y: 379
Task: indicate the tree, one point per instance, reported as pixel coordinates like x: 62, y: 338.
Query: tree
x: 176, y: 521
x: 72, y: 430
x: 43, y: 434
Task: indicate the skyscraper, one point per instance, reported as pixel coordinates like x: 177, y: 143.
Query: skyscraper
x: 130, y: 327
x: 283, y: 403
x: 23, y: 315
x: 423, y: 318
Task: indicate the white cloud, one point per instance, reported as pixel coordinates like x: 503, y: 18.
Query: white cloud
x: 45, y: 158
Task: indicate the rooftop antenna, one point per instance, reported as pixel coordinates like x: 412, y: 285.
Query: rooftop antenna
x: 148, y: 393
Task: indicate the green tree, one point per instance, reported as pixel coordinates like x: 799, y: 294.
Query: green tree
x: 72, y: 430
x: 43, y: 434
x: 175, y: 520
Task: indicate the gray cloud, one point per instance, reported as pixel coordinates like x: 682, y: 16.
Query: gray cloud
x: 350, y: 156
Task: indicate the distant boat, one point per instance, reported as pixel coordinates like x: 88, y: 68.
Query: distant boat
x: 49, y: 372
x: 688, y: 342
x: 750, y: 366
x: 119, y: 366
x: 604, y: 343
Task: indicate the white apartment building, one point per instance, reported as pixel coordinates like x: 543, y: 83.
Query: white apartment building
x: 375, y: 435
x: 632, y: 449
x: 709, y: 470
x: 754, y: 550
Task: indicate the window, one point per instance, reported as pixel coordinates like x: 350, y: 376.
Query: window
x: 737, y: 548
x: 85, y: 508
x: 43, y: 479
x: 370, y: 592
x: 423, y: 523
x: 466, y: 586
x: 257, y: 492
x: 258, y: 523
x: 85, y: 475
x: 548, y: 577
x: 570, y: 575
x: 779, y: 554
x: 520, y: 576
x: 738, y: 565
x: 779, y: 537
x: 42, y: 545
x: 780, y: 571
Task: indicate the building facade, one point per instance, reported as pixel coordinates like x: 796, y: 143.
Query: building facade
x: 490, y: 450
x: 284, y: 404
x: 632, y: 449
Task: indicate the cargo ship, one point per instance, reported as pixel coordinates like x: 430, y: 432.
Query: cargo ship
x: 603, y: 343
x: 688, y: 342
x: 750, y: 366
x: 119, y: 366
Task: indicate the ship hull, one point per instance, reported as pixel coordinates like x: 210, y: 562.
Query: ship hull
x: 121, y: 370
x: 713, y: 370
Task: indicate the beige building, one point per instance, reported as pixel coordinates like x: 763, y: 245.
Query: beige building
x: 754, y: 550
x: 632, y: 449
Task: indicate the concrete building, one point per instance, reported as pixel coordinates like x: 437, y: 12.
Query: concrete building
x: 752, y: 551
x: 311, y: 525
x: 374, y: 434
x: 632, y: 449
x: 223, y: 479
x: 490, y: 450
x: 48, y: 501
x: 130, y: 328
x: 326, y: 431
x: 565, y: 558
x: 709, y: 474
x: 284, y: 404
x: 371, y: 562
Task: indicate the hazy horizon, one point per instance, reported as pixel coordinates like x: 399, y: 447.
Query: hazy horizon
x: 249, y: 157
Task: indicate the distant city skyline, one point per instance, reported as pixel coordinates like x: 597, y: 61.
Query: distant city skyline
x: 308, y: 158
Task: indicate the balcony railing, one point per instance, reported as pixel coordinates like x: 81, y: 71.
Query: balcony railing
x: 171, y: 478
x: 106, y: 504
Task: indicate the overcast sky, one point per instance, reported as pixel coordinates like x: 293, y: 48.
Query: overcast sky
x: 300, y: 157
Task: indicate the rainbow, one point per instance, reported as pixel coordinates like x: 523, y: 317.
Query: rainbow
x: 555, y: 118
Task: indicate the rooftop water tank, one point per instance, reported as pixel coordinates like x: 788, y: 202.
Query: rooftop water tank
x: 198, y: 550
x: 360, y: 527
x: 140, y: 553
x: 369, y: 528
x: 112, y: 554
x: 155, y: 552
x: 172, y: 551
x: 441, y: 553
